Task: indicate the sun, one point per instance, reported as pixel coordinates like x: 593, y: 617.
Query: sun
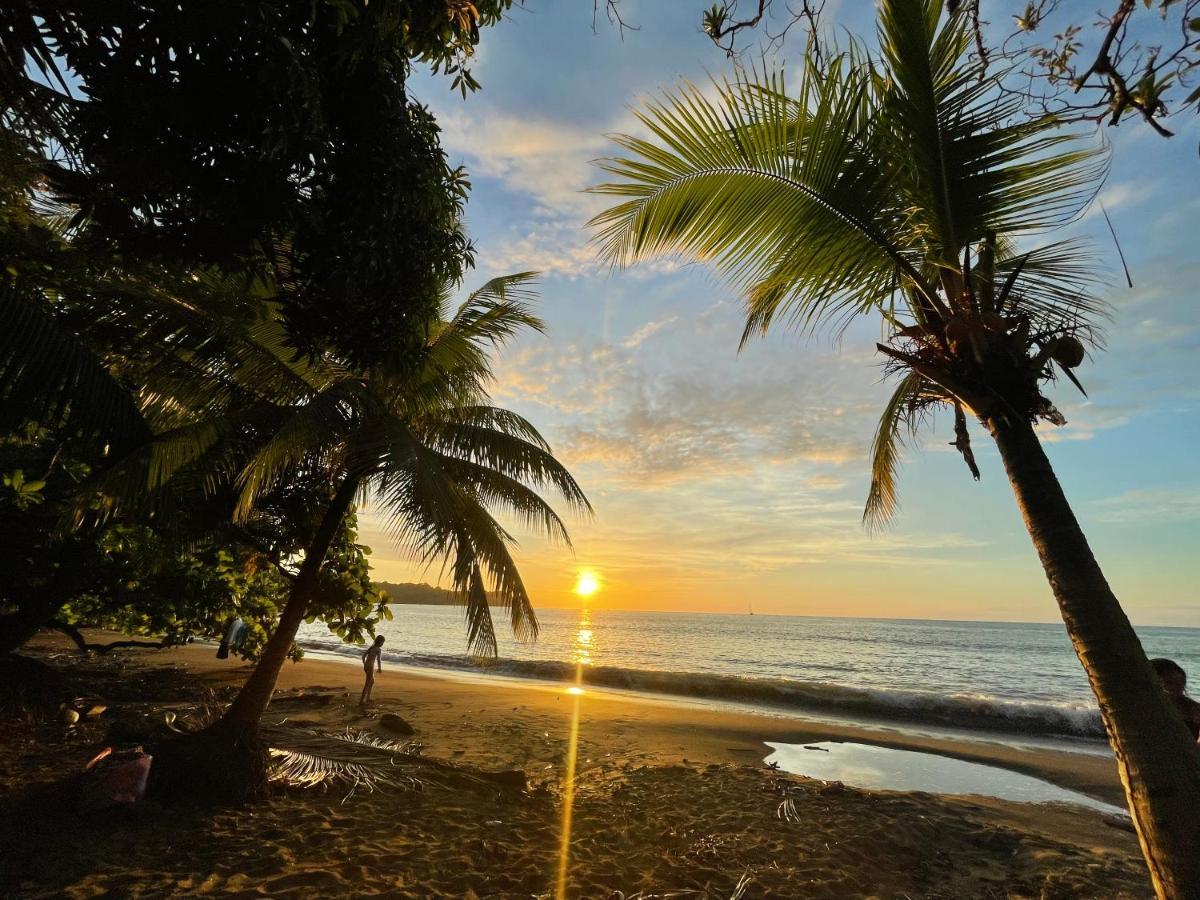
x: 586, y: 584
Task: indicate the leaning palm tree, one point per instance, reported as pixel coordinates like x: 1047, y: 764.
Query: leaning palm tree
x: 222, y: 399
x: 899, y: 186
x: 417, y: 439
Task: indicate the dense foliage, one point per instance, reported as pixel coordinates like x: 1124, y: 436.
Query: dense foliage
x: 168, y: 172
x: 275, y: 140
x: 185, y: 580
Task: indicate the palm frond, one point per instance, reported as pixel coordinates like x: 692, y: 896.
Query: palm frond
x: 972, y: 161
x: 1058, y: 286
x: 438, y: 514
x: 801, y: 216
x: 356, y: 760
x: 54, y: 377
x: 316, y: 429
x: 481, y: 630
x: 899, y: 415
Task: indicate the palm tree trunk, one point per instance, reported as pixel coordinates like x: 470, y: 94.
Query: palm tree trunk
x: 1158, y: 761
x: 241, y: 719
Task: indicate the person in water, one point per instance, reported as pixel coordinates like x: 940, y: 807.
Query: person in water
x: 1174, y: 681
x: 372, y: 660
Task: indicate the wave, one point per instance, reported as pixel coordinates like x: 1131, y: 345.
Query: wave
x: 1041, y: 718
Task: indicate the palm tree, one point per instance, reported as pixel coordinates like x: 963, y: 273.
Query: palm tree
x: 418, y: 439
x: 899, y: 186
x: 223, y: 399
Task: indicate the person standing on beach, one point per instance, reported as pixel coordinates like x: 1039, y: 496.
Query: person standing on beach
x: 1174, y: 681
x: 372, y: 659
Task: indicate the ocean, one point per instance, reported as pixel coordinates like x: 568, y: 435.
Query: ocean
x: 1003, y: 678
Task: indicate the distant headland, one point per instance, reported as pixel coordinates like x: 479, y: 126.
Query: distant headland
x: 421, y: 594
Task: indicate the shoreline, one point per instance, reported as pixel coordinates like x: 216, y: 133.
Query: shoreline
x: 686, y: 688
x: 673, y: 727
x: 667, y: 796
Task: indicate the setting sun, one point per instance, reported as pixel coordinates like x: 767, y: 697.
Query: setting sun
x: 586, y: 584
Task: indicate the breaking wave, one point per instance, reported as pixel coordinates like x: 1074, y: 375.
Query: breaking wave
x: 1042, y: 718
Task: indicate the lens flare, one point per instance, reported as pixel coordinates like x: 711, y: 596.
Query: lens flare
x: 583, y: 656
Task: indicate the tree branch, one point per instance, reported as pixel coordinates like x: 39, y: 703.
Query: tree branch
x: 84, y: 647
x: 613, y: 12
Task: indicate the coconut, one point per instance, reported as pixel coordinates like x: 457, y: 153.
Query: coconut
x: 1068, y: 352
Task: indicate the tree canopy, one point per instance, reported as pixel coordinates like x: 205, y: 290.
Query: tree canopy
x: 272, y: 139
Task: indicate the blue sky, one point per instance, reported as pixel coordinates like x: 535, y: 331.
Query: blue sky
x: 722, y: 478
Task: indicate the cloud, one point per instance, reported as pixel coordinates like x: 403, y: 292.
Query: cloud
x: 1149, y: 506
x: 555, y: 249
x: 636, y: 339
x: 1114, y: 197
x: 544, y: 158
x: 660, y: 421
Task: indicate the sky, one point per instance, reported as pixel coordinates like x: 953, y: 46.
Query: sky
x: 722, y: 480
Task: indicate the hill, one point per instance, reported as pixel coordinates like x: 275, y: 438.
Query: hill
x: 421, y: 594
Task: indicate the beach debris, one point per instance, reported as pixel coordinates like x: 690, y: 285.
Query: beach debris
x: 787, y: 811
x: 308, y: 759
x: 169, y: 719
x: 396, y: 724
x: 360, y: 760
x: 1122, y: 823
x: 739, y: 891
x: 69, y: 716
x: 115, y: 778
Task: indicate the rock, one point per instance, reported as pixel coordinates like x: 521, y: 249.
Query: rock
x: 396, y: 725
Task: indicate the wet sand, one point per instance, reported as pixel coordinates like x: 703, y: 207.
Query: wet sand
x: 669, y: 796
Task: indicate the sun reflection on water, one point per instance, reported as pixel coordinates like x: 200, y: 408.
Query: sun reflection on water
x: 581, y: 652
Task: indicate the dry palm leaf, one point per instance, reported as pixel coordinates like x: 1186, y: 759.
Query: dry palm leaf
x: 306, y: 759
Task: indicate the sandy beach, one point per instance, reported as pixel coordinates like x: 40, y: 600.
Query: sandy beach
x: 668, y: 797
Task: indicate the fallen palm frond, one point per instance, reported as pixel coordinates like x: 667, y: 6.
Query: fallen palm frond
x: 305, y: 758
x: 787, y: 810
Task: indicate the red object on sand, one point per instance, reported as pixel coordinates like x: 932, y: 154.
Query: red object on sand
x: 115, y: 778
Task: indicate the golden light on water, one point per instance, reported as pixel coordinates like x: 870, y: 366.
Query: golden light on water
x: 583, y: 657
